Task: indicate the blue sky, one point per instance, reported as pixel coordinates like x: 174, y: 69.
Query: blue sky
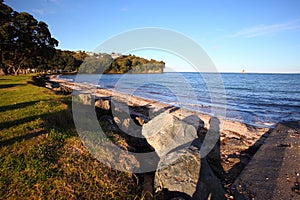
x: 257, y: 35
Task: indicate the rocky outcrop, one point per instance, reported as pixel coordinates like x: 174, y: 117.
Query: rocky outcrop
x: 180, y: 170
x: 40, y: 80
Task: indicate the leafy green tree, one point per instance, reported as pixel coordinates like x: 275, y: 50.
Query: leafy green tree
x: 24, y: 40
x: 6, y: 32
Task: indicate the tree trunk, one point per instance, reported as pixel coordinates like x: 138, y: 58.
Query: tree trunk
x: 17, y: 71
x: 3, y: 71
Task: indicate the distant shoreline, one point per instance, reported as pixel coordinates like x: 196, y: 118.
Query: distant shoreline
x: 257, y: 73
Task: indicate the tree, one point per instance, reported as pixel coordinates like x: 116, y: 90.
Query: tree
x: 24, y: 40
x: 6, y: 32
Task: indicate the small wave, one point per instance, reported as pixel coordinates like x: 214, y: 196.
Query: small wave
x: 259, y: 99
x: 196, y: 105
x: 65, y: 79
x: 268, y: 124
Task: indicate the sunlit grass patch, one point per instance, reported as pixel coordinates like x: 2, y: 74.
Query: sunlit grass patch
x: 41, y: 155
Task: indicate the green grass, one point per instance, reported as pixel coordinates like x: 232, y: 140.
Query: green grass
x: 41, y: 156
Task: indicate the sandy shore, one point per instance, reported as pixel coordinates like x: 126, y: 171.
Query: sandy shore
x: 228, y: 128
x: 238, y: 141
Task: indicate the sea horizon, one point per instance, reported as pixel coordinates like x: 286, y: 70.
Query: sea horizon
x: 259, y: 99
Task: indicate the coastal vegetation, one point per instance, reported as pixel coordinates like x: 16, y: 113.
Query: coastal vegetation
x: 104, y: 63
x: 41, y: 155
x: 26, y: 45
x: 25, y: 41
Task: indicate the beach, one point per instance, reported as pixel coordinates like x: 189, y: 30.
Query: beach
x: 150, y: 100
x: 238, y: 141
x: 236, y: 161
x: 159, y: 148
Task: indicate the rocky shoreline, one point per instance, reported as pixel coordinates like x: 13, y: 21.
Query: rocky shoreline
x: 235, y: 147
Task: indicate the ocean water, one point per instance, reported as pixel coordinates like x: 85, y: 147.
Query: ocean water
x: 257, y: 99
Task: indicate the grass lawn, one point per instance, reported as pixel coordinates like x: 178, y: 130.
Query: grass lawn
x: 41, y: 156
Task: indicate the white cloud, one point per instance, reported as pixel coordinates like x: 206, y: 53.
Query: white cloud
x: 267, y: 29
x: 42, y: 11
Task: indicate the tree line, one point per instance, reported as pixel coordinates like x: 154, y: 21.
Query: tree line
x: 26, y: 44
x: 104, y: 63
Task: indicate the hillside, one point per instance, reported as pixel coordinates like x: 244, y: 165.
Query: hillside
x: 104, y: 63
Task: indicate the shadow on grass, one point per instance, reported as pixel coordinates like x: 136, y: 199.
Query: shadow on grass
x: 20, y: 138
x: 17, y: 106
x: 10, y: 85
x: 58, y: 121
x: 17, y: 122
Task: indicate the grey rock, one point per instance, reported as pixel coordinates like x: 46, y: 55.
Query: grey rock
x: 51, y: 85
x: 86, y: 99
x: 178, y: 172
x: 208, y: 185
x: 131, y: 128
x: 180, y: 169
x: 124, y: 120
x: 103, y: 104
x: 166, y: 132
x: 183, y: 171
x: 140, y: 120
x: 65, y: 89
x: 117, y: 120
